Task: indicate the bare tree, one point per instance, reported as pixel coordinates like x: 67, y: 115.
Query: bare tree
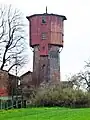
x: 12, y: 38
x: 81, y: 80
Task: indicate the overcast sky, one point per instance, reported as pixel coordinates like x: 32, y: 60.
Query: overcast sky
x: 76, y: 29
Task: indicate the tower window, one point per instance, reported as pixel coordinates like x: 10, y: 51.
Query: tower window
x: 43, y: 47
x: 43, y: 66
x: 44, y: 36
x: 43, y: 19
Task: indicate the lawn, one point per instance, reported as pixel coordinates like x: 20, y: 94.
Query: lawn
x: 46, y: 114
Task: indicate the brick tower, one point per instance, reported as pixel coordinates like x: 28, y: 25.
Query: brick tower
x: 46, y: 38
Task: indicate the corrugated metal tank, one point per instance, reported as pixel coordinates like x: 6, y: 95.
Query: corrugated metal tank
x: 45, y: 29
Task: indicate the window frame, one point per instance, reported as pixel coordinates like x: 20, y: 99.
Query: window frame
x: 44, y: 19
x: 44, y: 35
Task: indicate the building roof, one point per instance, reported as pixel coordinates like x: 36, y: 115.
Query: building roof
x: 26, y: 73
x: 64, y: 17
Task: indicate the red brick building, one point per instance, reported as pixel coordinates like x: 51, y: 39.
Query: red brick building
x: 7, y: 84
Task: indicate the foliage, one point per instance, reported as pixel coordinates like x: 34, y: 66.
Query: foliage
x: 81, y: 80
x: 58, y: 96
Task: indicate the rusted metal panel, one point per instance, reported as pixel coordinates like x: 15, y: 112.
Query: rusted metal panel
x: 37, y: 28
x: 56, y: 31
x: 56, y: 38
x: 53, y: 27
x: 34, y: 31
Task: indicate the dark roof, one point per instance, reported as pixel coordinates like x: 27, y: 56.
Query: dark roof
x: 26, y: 73
x: 64, y: 17
x: 13, y: 76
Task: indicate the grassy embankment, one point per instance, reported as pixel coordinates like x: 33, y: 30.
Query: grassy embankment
x: 46, y: 114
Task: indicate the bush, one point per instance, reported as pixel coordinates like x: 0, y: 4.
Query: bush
x: 58, y: 96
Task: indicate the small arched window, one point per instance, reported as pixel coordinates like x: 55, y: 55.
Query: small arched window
x: 43, y: 47
x: 43, y: 19
x: 43, y: 66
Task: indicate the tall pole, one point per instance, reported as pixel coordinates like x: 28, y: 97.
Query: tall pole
x: 16, y: 82
x: 46, y: 9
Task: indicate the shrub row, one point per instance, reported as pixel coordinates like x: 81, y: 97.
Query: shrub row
x: 58, y: 96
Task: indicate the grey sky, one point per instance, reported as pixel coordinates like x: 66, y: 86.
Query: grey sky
x: 77, y: 29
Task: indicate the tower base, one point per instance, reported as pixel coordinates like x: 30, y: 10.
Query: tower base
x: 46, y: 69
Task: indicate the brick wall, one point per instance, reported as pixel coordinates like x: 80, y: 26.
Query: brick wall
x: 26, y: 80
x: 4, y: 84
x: 46, y: 68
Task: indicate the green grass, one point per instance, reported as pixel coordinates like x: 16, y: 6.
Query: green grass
x: 46, y: 114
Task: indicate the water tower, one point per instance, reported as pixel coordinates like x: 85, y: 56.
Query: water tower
x: 46, y: 33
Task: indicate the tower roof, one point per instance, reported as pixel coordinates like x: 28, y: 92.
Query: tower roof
x: 47, y: 14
